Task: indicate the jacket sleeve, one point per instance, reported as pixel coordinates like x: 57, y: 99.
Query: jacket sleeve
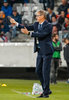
x: 58, y: 48
x: 47, y: 30
x: 30, y: 28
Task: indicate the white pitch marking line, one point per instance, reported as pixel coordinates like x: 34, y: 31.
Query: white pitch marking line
x: 22, y: 93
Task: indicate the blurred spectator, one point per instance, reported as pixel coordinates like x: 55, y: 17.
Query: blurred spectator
x: 54, y: 30
x: 6, y: 8
x: 41, y: 1
x: 66, y: 53
x: 68, y: 11
x: 44, y: 3
x: 63, y: 6
x: 12, y: 2
x: 2, y: 33
x: 47, y: 4
x: 66, y: 24
x: 61, y: 19
x: 55, y: 58
x: 2, y: 14
x: 55, y: 22
x: 5, y: 19
x: 17, y: 18
x: 4, y: 29
x: 50, y: 14
x: 50, y: 4
x: 26, y: 1
x: 1, y: 3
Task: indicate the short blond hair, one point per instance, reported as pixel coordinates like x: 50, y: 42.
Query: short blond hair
x: 42, y: 12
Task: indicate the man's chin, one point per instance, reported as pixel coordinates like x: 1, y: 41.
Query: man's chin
x: 37, y: 20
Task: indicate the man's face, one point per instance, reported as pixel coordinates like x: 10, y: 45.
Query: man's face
x: 2, y: 26
x: 54, y: 30
x: 57, y: 37
x: 66, y: 20
x: 39, y: 17
x: 1, y: 21
x: 62, y: 13
x: 53, y: 19
x: 14, y: 13
x: 64, y: 1
x: 68, y: 10
x: 53, y: 38
x: 49, y: 10
x: 5, y: 4
x: 66, y: 41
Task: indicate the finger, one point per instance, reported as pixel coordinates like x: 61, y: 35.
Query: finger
x: 22, y: 30
x: 25, y: 28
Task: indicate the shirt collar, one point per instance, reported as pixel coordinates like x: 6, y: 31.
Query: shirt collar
x: 42, y: 22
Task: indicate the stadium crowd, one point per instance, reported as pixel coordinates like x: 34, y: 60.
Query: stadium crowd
x: 60, y: 22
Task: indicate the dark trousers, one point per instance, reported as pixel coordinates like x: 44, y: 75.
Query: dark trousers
x: 47, y: 3
x: 54, y: 69
x: 50, y: 4
x: 44, y: 3
x: 43, y: 71
x: 68, y: 68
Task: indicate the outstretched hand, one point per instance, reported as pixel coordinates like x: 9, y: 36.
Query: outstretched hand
x: 12, y: 21
x: 24, y: 30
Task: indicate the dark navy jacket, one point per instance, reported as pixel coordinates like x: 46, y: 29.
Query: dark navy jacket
x: 17, y: 18
x: 43, y: 35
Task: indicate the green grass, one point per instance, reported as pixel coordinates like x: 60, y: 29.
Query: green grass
x: 60, y: 90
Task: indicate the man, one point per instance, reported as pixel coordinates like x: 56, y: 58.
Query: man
x: 4, y: 29
x: 17, y: 18
x: 6, y: 8
x: 55, y: 58
x: 61, y: 18
x: 47, y: 4
x: 55, y: 23
x: 15, y: 15
x: 66, y: 24
x: 42, y: 32
x: 50, y: 15
x: 66, y: 53
x: 63, y: 7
